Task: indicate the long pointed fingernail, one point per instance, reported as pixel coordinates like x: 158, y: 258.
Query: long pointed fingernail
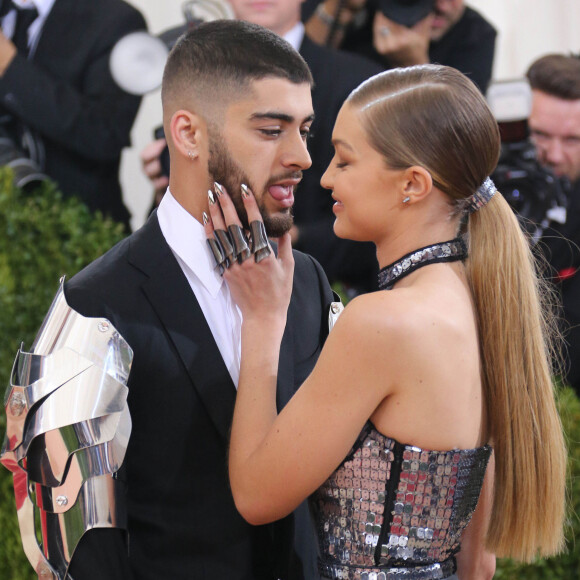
x: 219, y: 189
x: 245, y: 191
x: 205, y: 218
x: 210, y: 197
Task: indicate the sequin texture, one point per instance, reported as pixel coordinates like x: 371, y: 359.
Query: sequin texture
x: 396, y: 511
x: 451, y: 251
x: 482, y: 196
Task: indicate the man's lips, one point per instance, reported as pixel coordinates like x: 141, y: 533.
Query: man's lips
x: 438, y: 21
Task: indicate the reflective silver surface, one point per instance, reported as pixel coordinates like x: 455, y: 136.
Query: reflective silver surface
x: 68, y: 426
x: 334, y: 312
x: 396, y: 511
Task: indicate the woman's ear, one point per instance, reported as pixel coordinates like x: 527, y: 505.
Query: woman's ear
x: 417, y: 184
x: 186, y: 133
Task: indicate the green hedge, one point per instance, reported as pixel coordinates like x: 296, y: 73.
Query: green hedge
x: 43, y: 237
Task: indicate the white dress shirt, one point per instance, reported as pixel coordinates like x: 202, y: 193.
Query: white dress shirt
x: 295, y: 36
x: 187, y: 240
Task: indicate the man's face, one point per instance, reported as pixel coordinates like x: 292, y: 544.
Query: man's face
x: 447, y: 13
x: 279, y: 16
x: 262, y: 143
x: 555, y: 131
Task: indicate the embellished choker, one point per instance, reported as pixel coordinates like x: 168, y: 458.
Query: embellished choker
x: 450, y: 251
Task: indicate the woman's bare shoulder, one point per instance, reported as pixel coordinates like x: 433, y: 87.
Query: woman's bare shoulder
x: 378, y: 320
x: 393, y: 310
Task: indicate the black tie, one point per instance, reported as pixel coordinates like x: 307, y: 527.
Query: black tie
x: 24, y: 18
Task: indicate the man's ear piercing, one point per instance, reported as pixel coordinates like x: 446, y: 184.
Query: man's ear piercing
x: 191, y: 155
x: 407, y: 199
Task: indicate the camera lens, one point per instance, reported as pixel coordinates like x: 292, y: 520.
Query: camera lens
x: 27, y: 174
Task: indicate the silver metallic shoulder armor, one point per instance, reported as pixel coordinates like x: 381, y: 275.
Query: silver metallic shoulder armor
x: 68, y: 427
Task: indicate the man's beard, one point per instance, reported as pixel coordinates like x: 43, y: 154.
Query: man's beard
x: 223, y: 169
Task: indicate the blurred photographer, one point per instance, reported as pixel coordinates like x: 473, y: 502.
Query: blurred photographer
x: 407, y: 32
x: 59, y: 106
x: 554, y: 125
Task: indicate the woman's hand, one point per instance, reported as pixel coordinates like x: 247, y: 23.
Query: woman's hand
x: 260, y: 282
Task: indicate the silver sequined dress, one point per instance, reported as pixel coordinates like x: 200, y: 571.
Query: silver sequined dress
x: 396, y: 511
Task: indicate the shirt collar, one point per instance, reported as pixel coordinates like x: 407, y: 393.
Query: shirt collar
x: 295, y: 36
x: 43, y: 6
x: 186, y: 238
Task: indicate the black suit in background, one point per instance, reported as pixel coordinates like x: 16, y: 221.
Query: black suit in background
x: 561, y: 245
x: 182, y: 520
x: 336, y: 74
x: 65, y: 93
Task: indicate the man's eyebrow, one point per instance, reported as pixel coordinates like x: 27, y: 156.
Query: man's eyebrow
x: 276, y: 115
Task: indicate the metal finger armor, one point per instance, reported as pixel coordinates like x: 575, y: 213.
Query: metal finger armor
x: 260, y: 247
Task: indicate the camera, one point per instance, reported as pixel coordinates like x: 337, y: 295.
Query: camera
x: 18, y: 150
x: 533, y: 192
x: 406, y: 12
x: 159, y: 133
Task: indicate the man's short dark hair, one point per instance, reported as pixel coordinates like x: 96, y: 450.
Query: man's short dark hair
x: 557, y: 75
x: 215, y: 60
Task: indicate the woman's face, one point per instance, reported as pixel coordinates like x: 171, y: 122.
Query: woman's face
x: 367, y: 193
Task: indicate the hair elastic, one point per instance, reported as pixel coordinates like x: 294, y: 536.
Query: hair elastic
x: 482, y: 196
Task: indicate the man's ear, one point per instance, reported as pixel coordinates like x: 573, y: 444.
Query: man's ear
x: 187, y: 133
x: 417, y: 183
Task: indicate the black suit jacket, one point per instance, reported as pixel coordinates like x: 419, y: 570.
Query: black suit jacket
x: 182, y: 518
x: 66, y: 95
x: 336, y: 74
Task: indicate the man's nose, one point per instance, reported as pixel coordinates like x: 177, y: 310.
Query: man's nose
x: 296, y: 154
x: 554, y: 151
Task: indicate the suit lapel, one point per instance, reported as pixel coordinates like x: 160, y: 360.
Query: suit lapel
x: 63, y: 16
x: 174, y: 302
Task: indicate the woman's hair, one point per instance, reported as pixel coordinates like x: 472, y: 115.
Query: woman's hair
x: 435, y: 117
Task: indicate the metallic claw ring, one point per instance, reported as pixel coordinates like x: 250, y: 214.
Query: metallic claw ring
x: 384, y: 31
x: 260, y: 247
x: 218, y: 253
x: 227, y: 246
x: 241, y: 249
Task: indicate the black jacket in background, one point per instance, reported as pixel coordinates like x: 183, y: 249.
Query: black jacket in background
x: 65, y: 93
x: 561, y: 246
